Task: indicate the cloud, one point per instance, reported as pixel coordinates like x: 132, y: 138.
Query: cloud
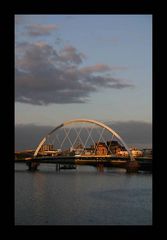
x: 40, y: 29
x: 71, y: 54
x: 28, y: 136
x: 44, y: 75
x: 96, y: 68
x: 134, y: 133
x: 102, y: 68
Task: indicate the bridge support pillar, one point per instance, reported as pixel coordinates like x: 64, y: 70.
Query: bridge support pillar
x: 32, y: 166
x: 100, y: 167
x: 132, y: 166
x: 57, y: 166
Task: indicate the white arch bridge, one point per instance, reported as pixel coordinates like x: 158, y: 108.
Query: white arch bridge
x: 85, y: 140
x: 83, y: 137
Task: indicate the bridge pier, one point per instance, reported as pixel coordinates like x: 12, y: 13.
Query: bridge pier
x: 100, y: 166
x: 32, y: 166
x: 57, y: 166
x: 132, y: 166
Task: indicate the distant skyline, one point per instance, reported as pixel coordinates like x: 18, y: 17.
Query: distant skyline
x: 83, y: 66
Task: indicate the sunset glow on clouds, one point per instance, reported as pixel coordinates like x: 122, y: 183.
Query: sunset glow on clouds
x: 45, y: 74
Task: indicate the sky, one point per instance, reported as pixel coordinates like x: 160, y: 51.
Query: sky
x: 83, y: 66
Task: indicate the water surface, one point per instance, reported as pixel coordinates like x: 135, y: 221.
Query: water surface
x: 82, y: 197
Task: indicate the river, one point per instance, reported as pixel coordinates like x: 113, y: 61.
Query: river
x: 85, y: 196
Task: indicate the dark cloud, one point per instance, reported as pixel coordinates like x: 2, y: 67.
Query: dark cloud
x: 28, y: 136
x: 46, y: 75
x: 138, y: 134
x: 134, y: 132
x: 40, y: 29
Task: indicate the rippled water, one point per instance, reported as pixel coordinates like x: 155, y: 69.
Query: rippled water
x: 82, y: 197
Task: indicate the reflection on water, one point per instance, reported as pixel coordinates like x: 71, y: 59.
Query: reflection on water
x: 82, y: 197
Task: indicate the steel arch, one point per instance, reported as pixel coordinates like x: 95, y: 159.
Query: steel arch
x: 81, y: 120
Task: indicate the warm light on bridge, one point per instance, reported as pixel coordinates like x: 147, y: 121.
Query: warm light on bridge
x: 88, y: 137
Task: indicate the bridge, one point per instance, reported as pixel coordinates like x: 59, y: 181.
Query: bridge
x: 83, y: 141
x: 144, y: 163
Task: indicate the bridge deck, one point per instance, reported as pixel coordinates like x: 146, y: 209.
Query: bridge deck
x: 78, y: 159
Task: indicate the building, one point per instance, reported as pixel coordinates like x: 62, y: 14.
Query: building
x: 114, y: 147
x: 77, y: 149
x: 136, y: 152
x: 47, y: 147
x: 147, y: 152
x: 101, y: 148
x: 48, y: 150
x: 122, y: 153
x: 89, y: 151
